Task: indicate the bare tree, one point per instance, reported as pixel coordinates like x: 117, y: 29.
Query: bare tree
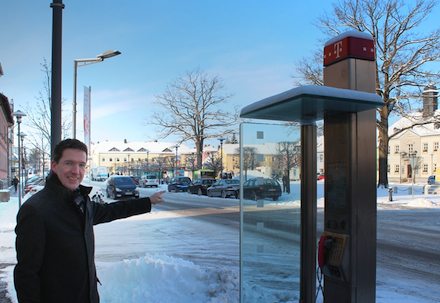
x: 39, y: 116
x: 191, y: 164
x: 214, y: 162
x: 249, y: 159
x: 403, y: 56
x: 288, y: 157
x: 192, y: 110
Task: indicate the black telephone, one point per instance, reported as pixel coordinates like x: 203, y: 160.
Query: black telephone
x: 333, y: 255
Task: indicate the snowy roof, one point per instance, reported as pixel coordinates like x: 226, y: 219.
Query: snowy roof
x: 141, y: 147
x: 231, y: 149
x: 421, y: 130
x: 311, y: 103
x: 353, y: 33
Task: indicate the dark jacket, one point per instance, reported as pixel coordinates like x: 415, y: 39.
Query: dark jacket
x: 55, y: 244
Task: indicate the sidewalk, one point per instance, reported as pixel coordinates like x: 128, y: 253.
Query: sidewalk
x: 3, y: 285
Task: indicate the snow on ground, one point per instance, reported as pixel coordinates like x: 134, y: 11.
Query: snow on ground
x: 160, y: 276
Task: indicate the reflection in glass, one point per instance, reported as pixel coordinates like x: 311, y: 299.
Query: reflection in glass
x: 270, y: 226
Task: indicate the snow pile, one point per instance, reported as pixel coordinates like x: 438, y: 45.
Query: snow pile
x: 166, y: 279
x: 422, y: 203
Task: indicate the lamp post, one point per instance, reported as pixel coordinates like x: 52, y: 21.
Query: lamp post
x: 83, y: 62
x: 175, y: 171
x: 128, y: 164
x: 221, y: 156
x: 148, y: 152
x: 23, y: 163
x: 19, y: 114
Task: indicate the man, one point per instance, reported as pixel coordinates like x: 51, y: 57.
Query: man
x: 55, y: 241
x: 15, y: 182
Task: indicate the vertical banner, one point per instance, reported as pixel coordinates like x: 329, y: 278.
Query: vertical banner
x: 87, y: 117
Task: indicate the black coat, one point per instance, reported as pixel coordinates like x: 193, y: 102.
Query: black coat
x: 55, y: 244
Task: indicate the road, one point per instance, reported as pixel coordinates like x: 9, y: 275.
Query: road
x: 408, y: 240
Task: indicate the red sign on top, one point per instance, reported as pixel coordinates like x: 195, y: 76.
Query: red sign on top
x: 349, y: 46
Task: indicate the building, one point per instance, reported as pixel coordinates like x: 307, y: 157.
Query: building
x: 413, y: 151
x: 6, y: 142
x: 137, y: 158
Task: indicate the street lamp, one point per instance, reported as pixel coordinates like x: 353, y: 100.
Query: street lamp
x: 23, y: 163
x: 221, y: 156
x: 175, y: 172
x: 19, y: 114
x: 148, y: 152
x: 83, y: 62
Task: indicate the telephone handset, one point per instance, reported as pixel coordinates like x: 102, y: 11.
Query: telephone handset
x: 333, y: 255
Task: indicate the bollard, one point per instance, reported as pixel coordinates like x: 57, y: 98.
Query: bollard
x: 390, y: 192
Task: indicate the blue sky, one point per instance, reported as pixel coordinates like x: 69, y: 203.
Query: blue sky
x: 251, y: 45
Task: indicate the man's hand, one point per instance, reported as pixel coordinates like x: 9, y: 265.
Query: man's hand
x: 157, y: 197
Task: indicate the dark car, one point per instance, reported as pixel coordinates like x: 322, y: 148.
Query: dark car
x: 200, y: 186
x: 431, y: 180
x: 261, y: 188
x: 121, y: 186
x: 224, y: 188
x: 179, y: 184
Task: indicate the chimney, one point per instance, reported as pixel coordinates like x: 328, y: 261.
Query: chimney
x: 430, y: 104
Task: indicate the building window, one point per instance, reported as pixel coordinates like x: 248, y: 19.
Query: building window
x: 233, y: 159
x: 103, y: 159
x: 425, y: 147
x: 396, y: 168
x: 388, y: 168
x: 117, y: 159
x: 425, y: 168
x: 260, y: 135
x: 396, y: 149
x: 410, y: 148
x: 110, y: 159
x: 435, y: 146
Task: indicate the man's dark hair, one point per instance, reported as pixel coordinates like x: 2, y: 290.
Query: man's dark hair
x: 65, y: 144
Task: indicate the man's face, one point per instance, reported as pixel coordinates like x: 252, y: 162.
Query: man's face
x: 71, y: 167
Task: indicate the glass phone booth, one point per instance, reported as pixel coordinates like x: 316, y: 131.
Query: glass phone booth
x: 270, y: 208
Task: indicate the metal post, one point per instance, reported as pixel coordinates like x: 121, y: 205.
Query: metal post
x: 175, y: 167
x: 57, y: 33
x: 19, y: 164
x: 75, y: 72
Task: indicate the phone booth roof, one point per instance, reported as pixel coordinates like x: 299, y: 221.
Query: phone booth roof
x: 308, y: 104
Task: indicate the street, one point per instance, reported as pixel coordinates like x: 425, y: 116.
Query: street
x: 408, y: 240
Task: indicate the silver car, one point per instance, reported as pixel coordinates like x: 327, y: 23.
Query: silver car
x: 148, y: 180
x: 224, y: 188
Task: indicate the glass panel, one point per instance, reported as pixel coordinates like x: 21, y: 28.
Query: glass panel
x: 270, y: 225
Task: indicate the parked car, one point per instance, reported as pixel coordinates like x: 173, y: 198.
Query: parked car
x: 224, y: 188
x: 431, y: 180
x: 179, y: 183
x: 200, y: 186
x: 121, y: 186
x: 36, y: 182
x: 149, y: 180
x: 320, y: 176
x: 261, y: 188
